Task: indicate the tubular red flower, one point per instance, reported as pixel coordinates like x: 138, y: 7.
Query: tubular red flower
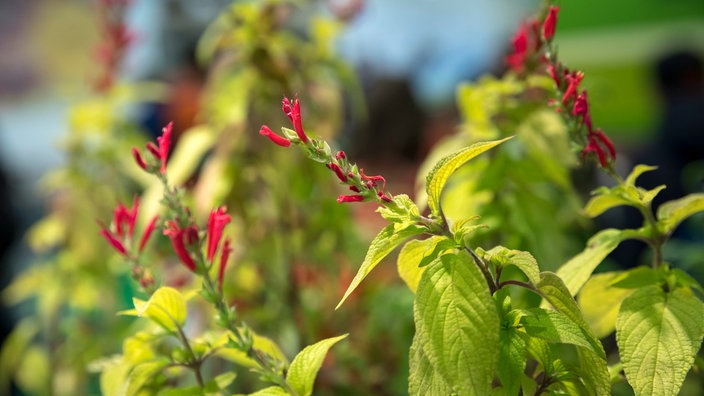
x: 340, y: 155
x: 226, y: 250
x: 116, y: 244
x: 355, y: 189
x: 180, y: 238
x: 147, y: 232
x: 550, y: 23
x: 552, y: 70
x: 573, y: 80
x: 606, y: 142
x: 350, y: 198
x: 281, y: 141
x: 338, y: 171
x: 125, y: 217
x: 217, y: 221
x: 593, y: 147
x: 138, y: 158
x: 164, y: 145
x: 373, y: 179
x: 293, y: 112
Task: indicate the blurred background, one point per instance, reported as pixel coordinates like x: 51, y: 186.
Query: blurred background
x: 642, y: 60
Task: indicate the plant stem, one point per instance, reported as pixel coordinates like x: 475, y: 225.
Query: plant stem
x: 195, y: 363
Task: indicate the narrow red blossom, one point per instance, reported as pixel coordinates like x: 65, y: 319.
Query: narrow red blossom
x: 520, y: 46
x: 373, y: 179
x: 355, y: 189
x: 164, y: 145
x: 550, y: 23
x: 384, y: 197
x: 280, y: 140
x: 340, y: 155
x: 138, y: 158
x: 338, y: 171
x: 350, y: 198
x: 552, y: 70
x: 154, y: 150
x: 573, y: 81
x: 606, y: 142
x: 116, y: 244
x: 180, y: 239
x: 293, y: 112
x: 147, y: 232
x: 217, y: 221
x: 226, y: 250
x: 123, y: 217
x: 593, y: 147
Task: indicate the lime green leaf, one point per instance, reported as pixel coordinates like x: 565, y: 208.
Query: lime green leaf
x: 412, y: 254
x: 456, y: 345
x: 438, y: 176
x: 14, y: 347
x: 578, y: 269
x: 672, y: 213
x: 539, y: 350
x: 220, y: 382
x: 658, y: 335
x: 403, y: 210
x: 600, y: 302
x: 512, y: 359
x: 383, y: 244
x: 638, y: 277
x: 554, y: 327
x: 260, y: 343
x: 524, y: 261
x: 463, y: 229
x: 556, y: 293
x: 593, y: 372
x: 141, y: 374
x: 188, y: 391
x: 166, y: 307
x: 304, y: 368
x: 113, y: 379
x: 603, y: 202
x: 270, y: 391
x: 636, y: 172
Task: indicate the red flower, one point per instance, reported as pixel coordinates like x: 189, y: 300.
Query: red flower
x: 147, y: 232
x: 116, y: 244
x: 123, y: 217
x: 350, y: 198
x: 226, y: 250
x: 550, y: 23
x: 181, y: 239
x: 340, y: 155
x: 606, y: 142
x: 293, y: 112
x: 281, y: 141
x: 520, y: 47
x: 338, y: 171
x: 217, y: 221
x: 164, y: 144
x: 138, y: 158
x: 573, y: 80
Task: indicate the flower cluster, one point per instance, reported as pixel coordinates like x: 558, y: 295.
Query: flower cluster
x: 180, y: 227
x: 365, y: 188
x: 533, y: 45
x: 116, y: 39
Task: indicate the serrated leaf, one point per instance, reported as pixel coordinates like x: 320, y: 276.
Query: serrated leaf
x: 512, y: 359
x: 600, y: 302
x: 593, y: 372
x: 383, y: 244
x: 603, y: 202
x: 436, y: 179
x: 270, y: 391
x: 166, y: 307
x: 455, y: 348
x: 403, y: 210
x: 672, y: 213
x: 304, y: 367
x: 578, y: 269
x: 658, y: 335
x: 410, y: 258
x: 524, y: 261
x: 553, y: 289
x: 554, y: 327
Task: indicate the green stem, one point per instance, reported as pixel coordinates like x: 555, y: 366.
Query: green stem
x: 195, y: 363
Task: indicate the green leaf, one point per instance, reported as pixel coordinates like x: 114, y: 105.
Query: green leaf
x: 113, y: 378
x: 403, y: 210
x: 636, y: 172
x: 220, y: 382
x: 412, y: 255
x: 512, y: 359
x: 260, y: 343
x: 578, y: 269
x: 603, y: 202
x: 593, y: 372
x: 270, y: 391
x: 463, y: 229
x: 600, y: 302
x: 554, y: 327
x: 436, y: 179
x: 524, y: 261
x: 301, y: 374
x: 555, y: 292
x: 672, y: 213
x: 638, y: 277
x: 456, y: 345
x: 141, y: 374
x: 658, y: 335
x: 166, y: 307
x: 383, y: 244
x: 189, y: 152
